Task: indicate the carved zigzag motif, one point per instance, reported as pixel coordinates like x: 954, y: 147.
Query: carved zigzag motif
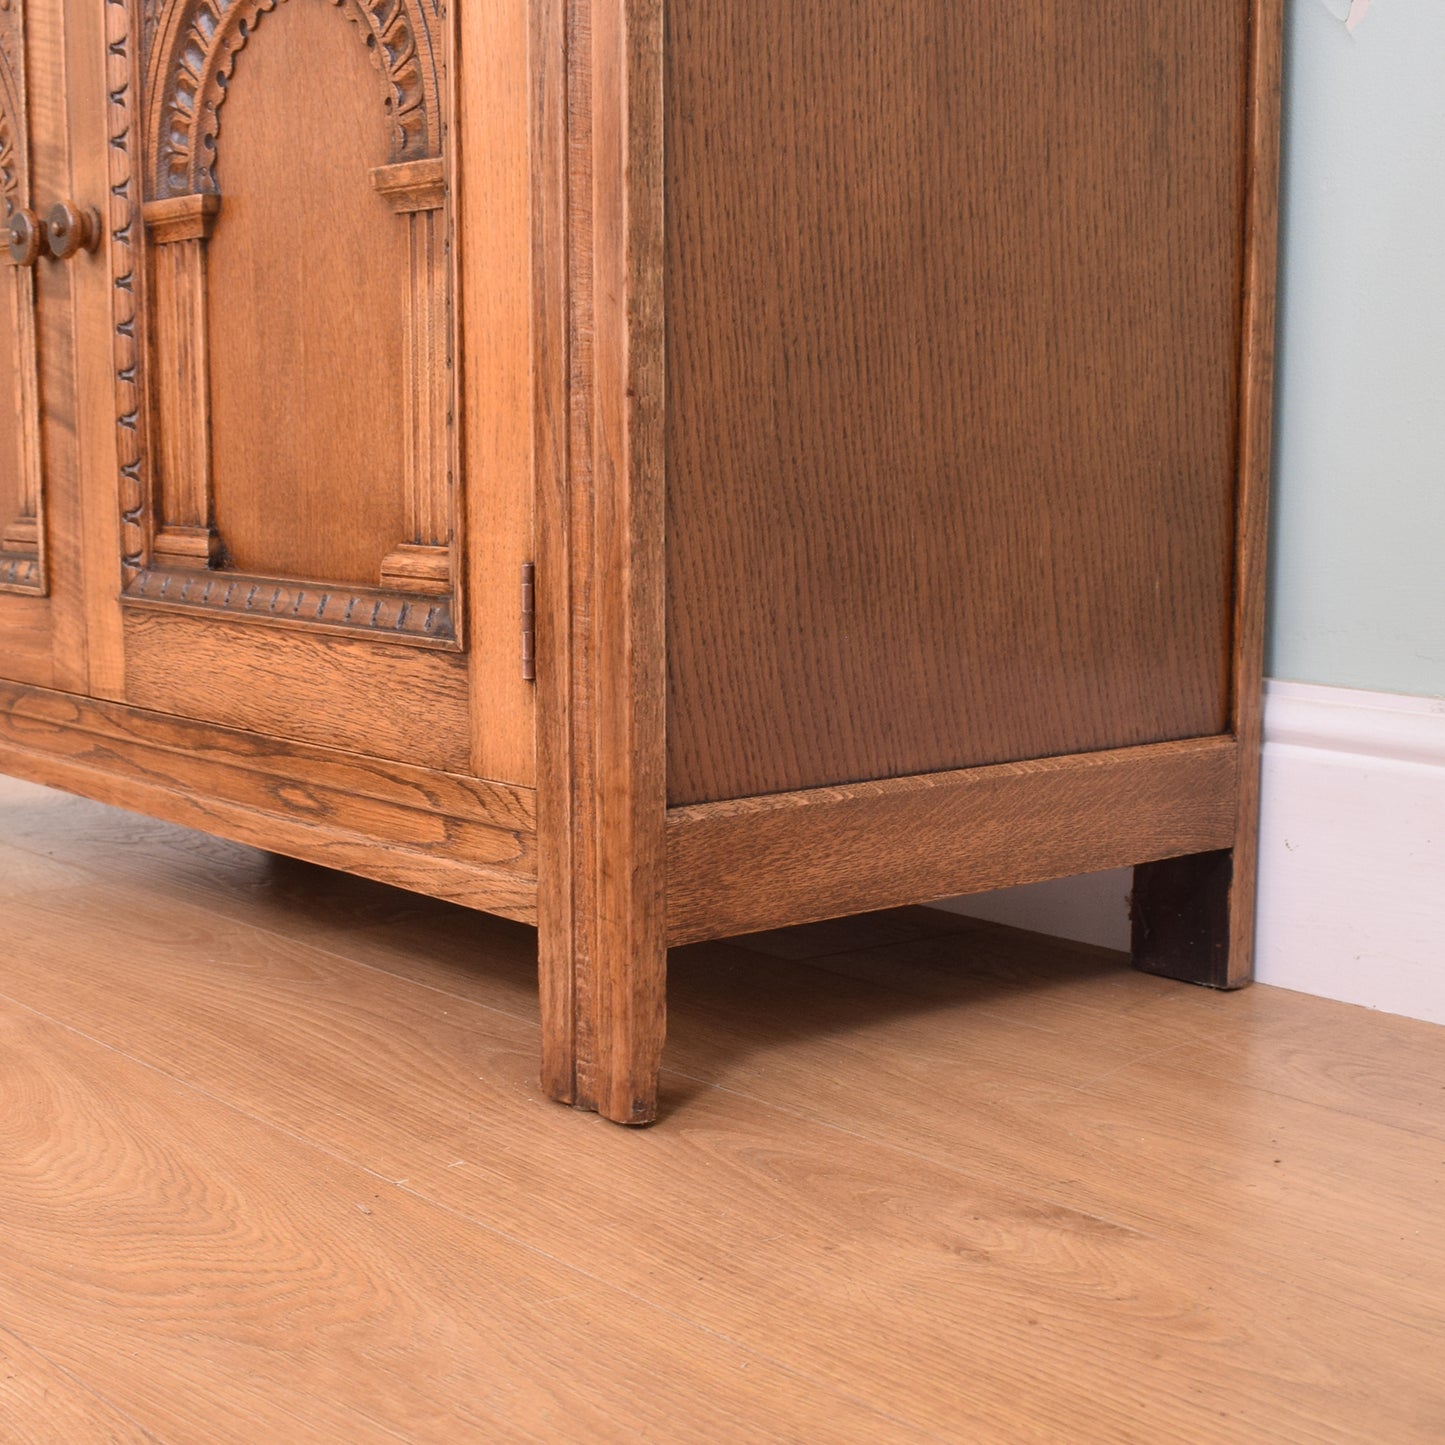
x: 129, y: 442
x: 192, y: 52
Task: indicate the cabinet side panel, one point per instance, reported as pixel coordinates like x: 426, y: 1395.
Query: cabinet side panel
x: 953, y: 318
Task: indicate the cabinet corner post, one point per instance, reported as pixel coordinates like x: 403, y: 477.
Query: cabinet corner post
x: 600, y: 587
x: 1194, y: 917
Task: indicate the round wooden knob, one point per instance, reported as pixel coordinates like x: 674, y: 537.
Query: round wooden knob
x: 72, y: 228
x: 25, y: 236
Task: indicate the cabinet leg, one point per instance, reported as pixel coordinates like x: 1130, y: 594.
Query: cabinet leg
x: 603, y: 1016
x: 601, y: 576
x: 1193, y: 919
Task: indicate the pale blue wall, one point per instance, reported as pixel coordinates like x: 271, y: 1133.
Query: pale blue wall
x: 1358, y: 573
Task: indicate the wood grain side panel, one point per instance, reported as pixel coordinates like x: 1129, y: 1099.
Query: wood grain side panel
x: 953, y: 354
x: 396, y: 702
x: 433, y: 833
x: 757, y: 863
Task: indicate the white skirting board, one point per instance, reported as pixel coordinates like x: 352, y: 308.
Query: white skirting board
x: 1352, y: 855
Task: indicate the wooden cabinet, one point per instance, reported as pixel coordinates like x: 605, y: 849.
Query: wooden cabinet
x: 654, y: 468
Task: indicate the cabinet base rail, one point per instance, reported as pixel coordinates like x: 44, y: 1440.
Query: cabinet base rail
x: 1169, y: 809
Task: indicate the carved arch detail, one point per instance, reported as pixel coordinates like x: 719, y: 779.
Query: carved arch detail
x: 192, y: 46
x: 414, y: 602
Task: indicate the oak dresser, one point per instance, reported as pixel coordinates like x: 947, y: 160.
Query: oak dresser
x: 658, y: 469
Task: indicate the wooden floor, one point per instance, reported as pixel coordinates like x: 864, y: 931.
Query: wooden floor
x: 274, y: 1168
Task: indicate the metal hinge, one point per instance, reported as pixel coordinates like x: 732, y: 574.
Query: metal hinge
x: 529, y: 622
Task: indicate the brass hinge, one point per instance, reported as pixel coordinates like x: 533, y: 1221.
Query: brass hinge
x: 529, y: 622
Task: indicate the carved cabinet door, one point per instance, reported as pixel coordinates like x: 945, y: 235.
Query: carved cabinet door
x: 285, y: 284
x: 39, y: 578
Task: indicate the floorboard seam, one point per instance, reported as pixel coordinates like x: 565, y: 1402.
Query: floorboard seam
x: 80, y: 1383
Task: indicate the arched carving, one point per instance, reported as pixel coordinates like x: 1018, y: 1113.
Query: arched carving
x: 192, y: 46
x: 152, y: 208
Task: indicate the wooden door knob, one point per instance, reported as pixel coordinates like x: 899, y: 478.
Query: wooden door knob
x: 25, y: 236
x: 72, y: 228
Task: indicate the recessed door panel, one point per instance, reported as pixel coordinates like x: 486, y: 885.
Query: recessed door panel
x: 307, y: 333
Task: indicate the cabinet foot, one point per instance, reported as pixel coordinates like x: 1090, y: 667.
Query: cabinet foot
x: 1193, y: 919
x: 603, y: 1023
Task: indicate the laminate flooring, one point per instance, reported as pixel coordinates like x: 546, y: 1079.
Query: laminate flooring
x: 274, y: 1167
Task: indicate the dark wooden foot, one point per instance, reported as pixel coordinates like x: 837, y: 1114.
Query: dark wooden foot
x: 1193, y: 919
